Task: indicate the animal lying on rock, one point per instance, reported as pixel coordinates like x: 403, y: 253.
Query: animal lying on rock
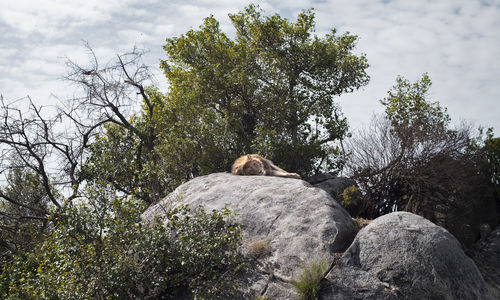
x: 254, y: 164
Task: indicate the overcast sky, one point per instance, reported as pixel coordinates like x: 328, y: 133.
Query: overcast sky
x: 456, y: 41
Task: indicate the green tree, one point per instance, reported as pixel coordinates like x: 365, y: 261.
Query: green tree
x: 271, y: 90
x: 407, y: 106
x: 488, y: 150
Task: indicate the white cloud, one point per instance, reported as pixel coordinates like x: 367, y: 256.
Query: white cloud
x: 456, y: 41
x: 163, y: 30
x: 135, y: 35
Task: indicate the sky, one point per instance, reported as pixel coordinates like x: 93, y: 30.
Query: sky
x: 456, y: 42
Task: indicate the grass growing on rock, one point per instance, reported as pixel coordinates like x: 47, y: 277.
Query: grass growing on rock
x: 258, y: 248
x: 309, y: 280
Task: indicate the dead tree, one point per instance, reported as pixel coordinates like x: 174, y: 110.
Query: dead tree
x: 51, y: 143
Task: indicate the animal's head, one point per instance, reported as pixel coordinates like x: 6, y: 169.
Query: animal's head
x: 237, y: 169
x: 254, y: 167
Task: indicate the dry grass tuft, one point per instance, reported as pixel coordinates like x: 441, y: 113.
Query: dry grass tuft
x: 258, y: 248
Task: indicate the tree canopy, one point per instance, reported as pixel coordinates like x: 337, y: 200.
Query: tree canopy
x: 270, y: 90
x: 407, y: 105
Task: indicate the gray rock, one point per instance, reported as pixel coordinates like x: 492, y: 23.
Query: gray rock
x: 298, y: 222
x: 333, y: 185
x: 404, y: 256
x: 320, y: 178
x: 486, y: 254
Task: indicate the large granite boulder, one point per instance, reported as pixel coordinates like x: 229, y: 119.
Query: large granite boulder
x: 286, y: 223
x: 404, y: 256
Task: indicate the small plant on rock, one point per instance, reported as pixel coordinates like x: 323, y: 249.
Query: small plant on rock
x: 258, y: 248
x: 309, y: 281
x: 362, y: 222
x: 349, y: 196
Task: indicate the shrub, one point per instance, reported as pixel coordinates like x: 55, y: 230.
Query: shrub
x: 101, y: 249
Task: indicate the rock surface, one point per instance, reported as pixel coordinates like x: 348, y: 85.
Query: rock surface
x: 404, y: 256
x: 332, y: 184
x: 487, y: 257
x: 320, y: 177
x: 335, y: 186
x: 296, y: 221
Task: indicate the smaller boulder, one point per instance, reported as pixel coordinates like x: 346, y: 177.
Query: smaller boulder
x: 404, y: 256
x: 335, y: 186
x: 315, y: 179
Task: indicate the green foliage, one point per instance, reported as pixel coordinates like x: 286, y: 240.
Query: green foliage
x: 407, y: 107
x: 362, y: 222
x: 121, y: 157
x: 23, y: 211
x: 271, y: 91
x: 349, y: 196
x: 309, y: 282
x: 101, y: 249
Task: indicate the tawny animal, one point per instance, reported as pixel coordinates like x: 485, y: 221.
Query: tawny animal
x: 254, y: 164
